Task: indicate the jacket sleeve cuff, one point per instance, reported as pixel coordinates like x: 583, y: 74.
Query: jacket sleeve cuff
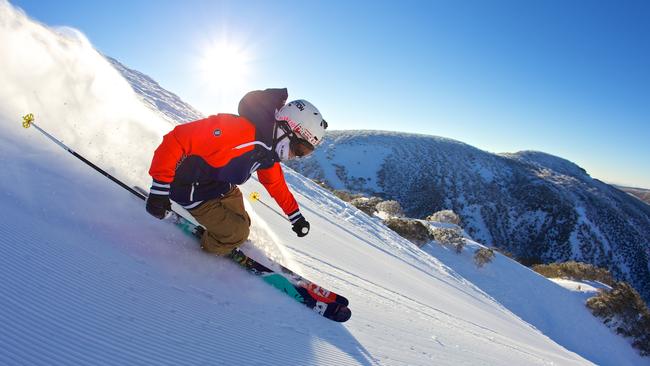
x: 159, y: 188
x: 295, y: 216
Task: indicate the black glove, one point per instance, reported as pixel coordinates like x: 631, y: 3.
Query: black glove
x: 158, y: 205
x: 300, y: 226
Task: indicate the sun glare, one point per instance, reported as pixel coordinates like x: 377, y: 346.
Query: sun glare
x: 224, y: 65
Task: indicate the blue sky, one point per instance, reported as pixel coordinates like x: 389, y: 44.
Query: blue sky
x: 570, y: 78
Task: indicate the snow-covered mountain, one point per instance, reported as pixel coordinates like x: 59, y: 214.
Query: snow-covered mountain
x: 88, y: 277
x: 537, y: 206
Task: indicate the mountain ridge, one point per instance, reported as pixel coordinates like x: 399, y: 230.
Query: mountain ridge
x: 540, y: 207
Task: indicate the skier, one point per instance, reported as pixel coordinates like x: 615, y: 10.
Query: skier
x: 200, y: 164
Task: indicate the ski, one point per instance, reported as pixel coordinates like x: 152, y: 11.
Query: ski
x: 314, y: 290
x: 324, y: 302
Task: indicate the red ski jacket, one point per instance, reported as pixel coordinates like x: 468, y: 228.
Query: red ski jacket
x: 204, y: 159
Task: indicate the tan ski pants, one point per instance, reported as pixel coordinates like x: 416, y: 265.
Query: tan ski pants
x: 226, y: 221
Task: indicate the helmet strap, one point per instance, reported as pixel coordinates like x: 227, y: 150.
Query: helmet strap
x: 288, y: 132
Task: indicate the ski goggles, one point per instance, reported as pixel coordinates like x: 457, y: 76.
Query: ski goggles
x: 300, y: 147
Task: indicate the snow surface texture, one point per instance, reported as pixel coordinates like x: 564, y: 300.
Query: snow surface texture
x: 557, y: 311
x: 537, y: 206
x: 88, y: 277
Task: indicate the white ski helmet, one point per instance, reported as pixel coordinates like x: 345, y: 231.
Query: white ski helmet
x: 304, y: 120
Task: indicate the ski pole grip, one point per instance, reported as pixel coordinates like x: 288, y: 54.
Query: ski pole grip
x: 27, y: 120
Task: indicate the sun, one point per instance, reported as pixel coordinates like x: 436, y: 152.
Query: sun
x: 224, y: 65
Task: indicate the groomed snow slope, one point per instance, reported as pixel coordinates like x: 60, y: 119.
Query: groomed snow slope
x: 89, y: 278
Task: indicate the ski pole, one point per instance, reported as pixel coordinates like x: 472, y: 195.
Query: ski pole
x: 28, y: 121
x: 255, y: 197
x: 179, y: 219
